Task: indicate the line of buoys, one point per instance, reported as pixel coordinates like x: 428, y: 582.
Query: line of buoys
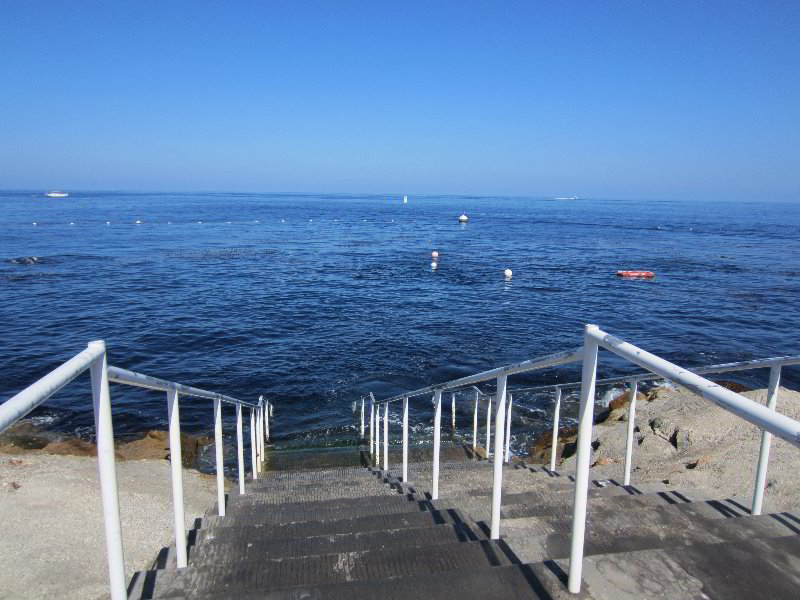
x: 636, y: 274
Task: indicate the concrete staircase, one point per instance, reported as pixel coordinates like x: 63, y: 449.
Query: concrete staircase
x: 356, y: 532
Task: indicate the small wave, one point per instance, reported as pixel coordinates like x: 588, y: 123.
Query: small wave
x: 24, y: 260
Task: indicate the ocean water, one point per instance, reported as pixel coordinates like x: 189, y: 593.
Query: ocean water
x: 316, y: 300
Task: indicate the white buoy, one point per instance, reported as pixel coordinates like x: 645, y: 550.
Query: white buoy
x: 508, y: 273
x: 463, y: 219
x: 433, y: 265
x: 138, y: 222
x: 108, y: 222
x: 405, y: 199
x: 435, y: 254
x: 34, y: 222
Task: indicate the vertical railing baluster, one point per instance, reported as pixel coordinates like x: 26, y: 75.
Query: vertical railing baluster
x: 766, y: 440
x: 267, y: 415
x: 508, y: 427
x: 626, y: 479
x: 583, y: 456
x: 253, y: 442
x: 362, y: 417
x: 475, y: 424
x: 405, y: 439
x: 219, y: 457
x: 176, y: 464
x: 372, y: 427
x: 554, y: 445
x: 386, y: 437
x: 107, y: 472
x: 453, y: 410
x: 378, y: 435
x: 259, y: 436
x: 437, y: 432
x: 488, y: 426
x: 499, y: 427
x: 240, y: 447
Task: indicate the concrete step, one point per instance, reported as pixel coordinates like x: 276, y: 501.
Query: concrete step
x: 555, y: 514
x: 226, y: 531
x: 513, y: 582
x: 321, y: 510
x: 264, y: 574
x: 631, y: 532
x: 245, y: 548
x: 309, y: 494
x: 756, y: 568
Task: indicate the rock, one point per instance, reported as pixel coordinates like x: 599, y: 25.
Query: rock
x: 733, y: 386
x: 703, y: 460
x: 541, y: 448
x: 654, y: 446
x: 621, y: 399
x: 603, y: 460
x: 683, y: 438
x: 71, y: 447
x: 663, y: 428
x: 156, y: 445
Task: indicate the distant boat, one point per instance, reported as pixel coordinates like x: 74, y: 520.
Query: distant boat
x: 405, y: 199
x: 56, y: 194
x: 567, y: 198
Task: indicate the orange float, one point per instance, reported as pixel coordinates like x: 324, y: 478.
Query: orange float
x: 643, y: 274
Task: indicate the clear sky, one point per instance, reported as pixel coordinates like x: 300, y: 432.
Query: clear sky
x: 640, y: 99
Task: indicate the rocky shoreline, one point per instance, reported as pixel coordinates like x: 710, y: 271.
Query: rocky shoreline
x: 28, y: 438
x: 687, y: 441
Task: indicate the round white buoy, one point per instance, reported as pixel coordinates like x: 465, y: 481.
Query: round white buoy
x: 138, y: 222
x: 463, y: 219
x: 508, y: 273
x: 72, y: 223
x: 435, y: 254
x: 433, y: 265
x: 34, y: 222
x: 108, y: 222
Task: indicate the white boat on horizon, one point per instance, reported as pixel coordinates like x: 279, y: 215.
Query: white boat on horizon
x: 57, y: 194
x: 566, y: 198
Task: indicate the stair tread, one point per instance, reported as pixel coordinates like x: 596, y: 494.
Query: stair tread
x: 245, y: 547
x: 260, y: 573
x: 228, y: 531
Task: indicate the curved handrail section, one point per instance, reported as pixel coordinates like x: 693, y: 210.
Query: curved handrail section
x: 19, y: 405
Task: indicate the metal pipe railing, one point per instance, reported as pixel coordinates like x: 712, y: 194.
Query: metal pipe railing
x: 535, y: 364
x: 94, y: 360
x: 763, y: 417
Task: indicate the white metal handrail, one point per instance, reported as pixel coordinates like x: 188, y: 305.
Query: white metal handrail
x: 502, y: 417
x: 763, y: 417
x: 94, y: 360
x: 745, y: 365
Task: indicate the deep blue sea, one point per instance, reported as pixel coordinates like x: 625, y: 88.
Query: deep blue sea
x: 317, y: 300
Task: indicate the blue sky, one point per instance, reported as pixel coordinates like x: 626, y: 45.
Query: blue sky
x: 685, y: 100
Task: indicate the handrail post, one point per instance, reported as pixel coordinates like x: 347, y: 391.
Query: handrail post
x: 554, y: 446
x: 488, y: 425
x: 176, y: 463
x: 267, y: 414
x: 386, y: 437
x: 107, y: 472
x: 626, y: 480
x: 405, y: 439
x: 253, y: 450
x: 508, y: 427
x: 259, y: 449
x: 499, y: 427
x: 453, y: 410
x: 437, y: 432
x: 378, y: 435
x: 372, y: 427
x: 218, y: 454
x: 475, y: 424
x: 766, y: 440
x: 240, y: 447
x: 583, y: 456
x: 362, y: 417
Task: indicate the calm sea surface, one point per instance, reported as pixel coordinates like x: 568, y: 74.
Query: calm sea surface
x: 315, y: 301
